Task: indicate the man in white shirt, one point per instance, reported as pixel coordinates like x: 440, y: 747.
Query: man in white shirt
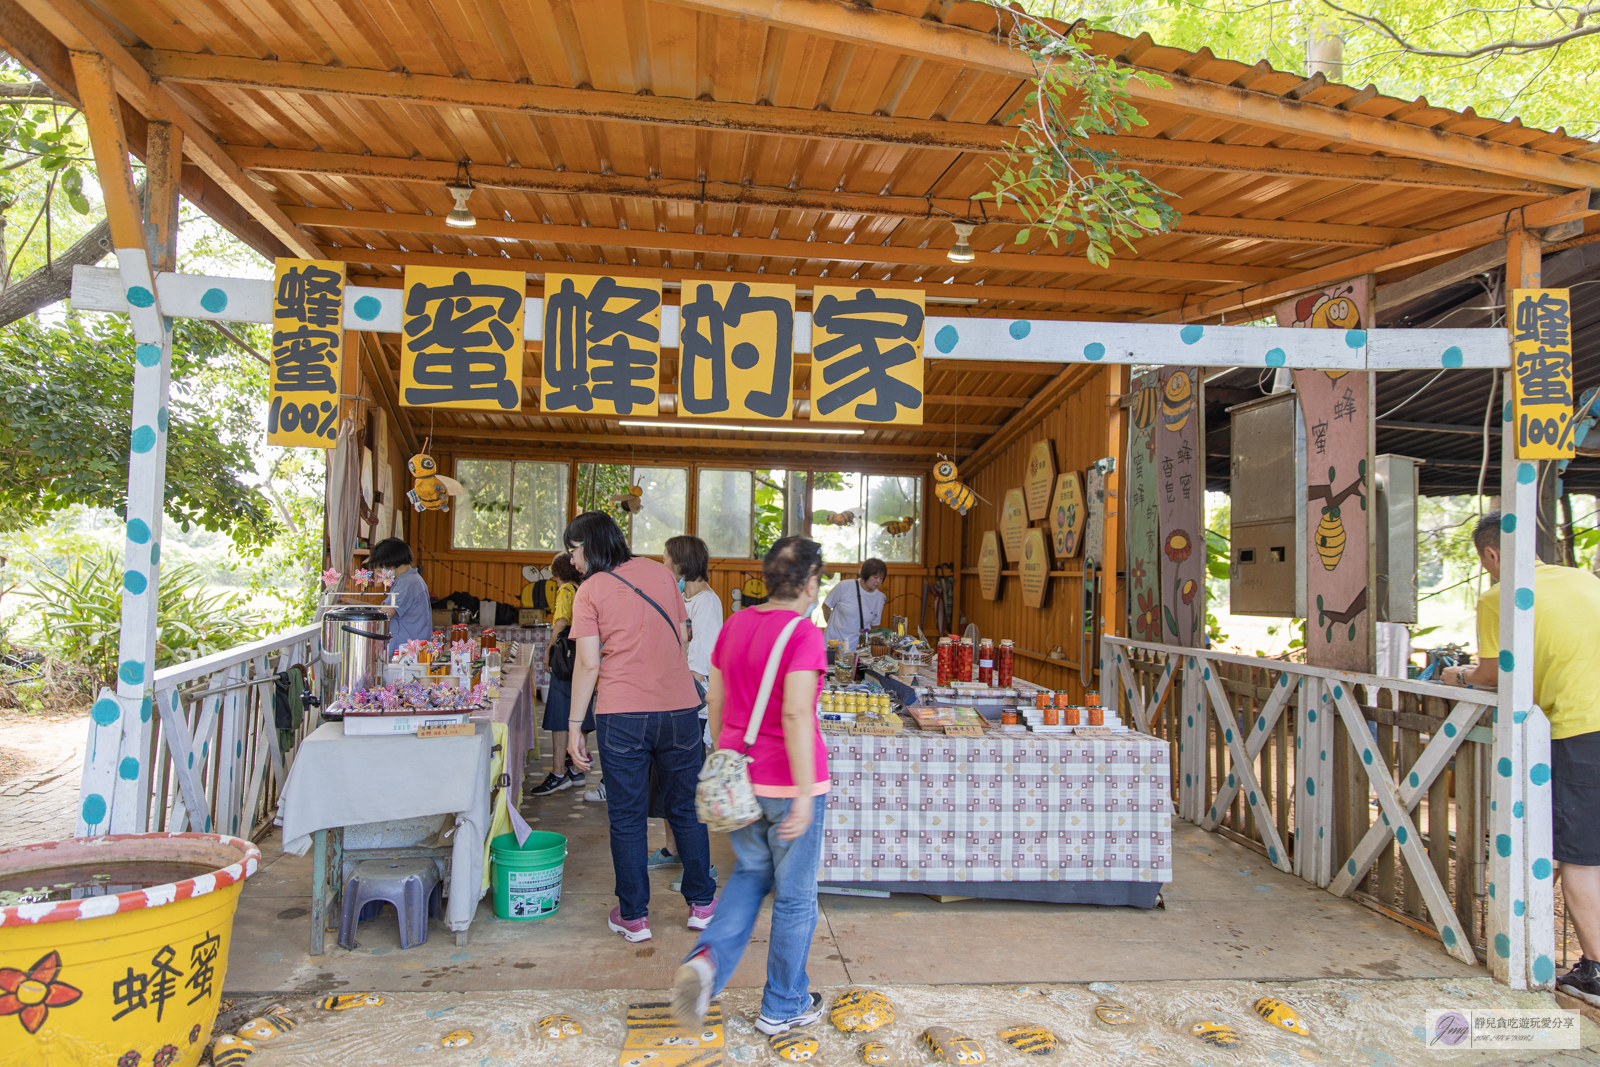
x: 856, y: 605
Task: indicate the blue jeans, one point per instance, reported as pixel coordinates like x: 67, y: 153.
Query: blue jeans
x: 787, y: 870
x: 630, y: 744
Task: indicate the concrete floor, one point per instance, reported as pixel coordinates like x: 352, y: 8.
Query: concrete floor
x: 1227, y: 915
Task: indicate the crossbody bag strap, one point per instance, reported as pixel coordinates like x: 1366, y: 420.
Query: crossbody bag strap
x: 659, y: 609
x: 768, y: 677
x: 861, y: 612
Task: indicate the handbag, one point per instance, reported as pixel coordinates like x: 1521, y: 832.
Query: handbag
x: 725, y: 799
x: 563, y: 656
x: 699, y: 688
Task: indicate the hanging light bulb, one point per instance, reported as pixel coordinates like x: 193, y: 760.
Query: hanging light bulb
x: 961, y: 252
x: 460, y: 217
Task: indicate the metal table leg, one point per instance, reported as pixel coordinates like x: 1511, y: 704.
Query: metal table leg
x: 319, y: 892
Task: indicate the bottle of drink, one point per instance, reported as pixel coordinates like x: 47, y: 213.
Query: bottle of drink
x: 491, y: 672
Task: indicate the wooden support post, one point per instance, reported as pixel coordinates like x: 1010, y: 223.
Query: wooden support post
x: 114, y: 794
x: 163, y: 164
x: 1113, y: 615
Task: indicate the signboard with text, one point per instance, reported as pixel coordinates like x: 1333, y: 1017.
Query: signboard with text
x: 736, y: 354
x: 602, y: 346
x: 1541, y: 356
x: 307, y: 342
x: 461, y: 339
x: 866, y: 355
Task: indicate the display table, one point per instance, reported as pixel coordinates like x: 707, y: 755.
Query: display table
x: 1068, y: 819
x: 338, y: 782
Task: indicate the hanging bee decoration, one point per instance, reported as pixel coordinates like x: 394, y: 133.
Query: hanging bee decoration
x: 948, y: 487
x: 630, y: 500
x: 431, y: 491
x: 824, y: 517
x: 897, y: 527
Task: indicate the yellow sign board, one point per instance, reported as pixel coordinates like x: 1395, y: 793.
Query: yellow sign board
x: 307, y: 342
x: 602, y: 346
x: 989, y: 565
x: 1040, y: 480
x: 461, y: 339
x: 866, y: 355
x: 1013, y: 523
x: 736, y: 354
x: 1068, y: 510
x: 1541, y: 359
x: 1034, y: 568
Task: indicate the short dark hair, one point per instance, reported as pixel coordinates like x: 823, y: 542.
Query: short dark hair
x: 789, y: 565
x: 604, y: 547
x: 690, y: 555
x: 874, y: 568
x: 391, y: 552
x: 563, y: 569
x: 1486, y: 534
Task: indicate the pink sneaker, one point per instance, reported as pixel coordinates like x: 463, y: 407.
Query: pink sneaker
x: 630, y: 929
x: 700, y: 914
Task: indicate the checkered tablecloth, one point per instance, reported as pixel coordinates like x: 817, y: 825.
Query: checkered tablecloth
x: 925, y: 807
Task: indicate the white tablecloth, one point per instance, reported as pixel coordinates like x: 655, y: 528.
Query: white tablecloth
x: 346, y: 781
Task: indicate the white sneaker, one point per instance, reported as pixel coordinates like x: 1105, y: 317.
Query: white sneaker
x: 597, y: 794
x: 691, y: 990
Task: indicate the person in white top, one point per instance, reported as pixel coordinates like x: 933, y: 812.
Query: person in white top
x: 690, y: 562
x: 856, y: 605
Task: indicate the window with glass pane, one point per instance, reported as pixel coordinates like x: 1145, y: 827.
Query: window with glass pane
x: 723, y: 512
x: 598, y: 485
x: 780, y: 501
x: 515, y: 505
x: 835, y: 518
x: 884, y: 514
x: 662, y: 509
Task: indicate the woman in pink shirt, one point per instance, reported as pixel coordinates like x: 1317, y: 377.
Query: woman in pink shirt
x: 780, y: 852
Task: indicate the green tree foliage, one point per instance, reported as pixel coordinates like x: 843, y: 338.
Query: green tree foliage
x: 67, y: 391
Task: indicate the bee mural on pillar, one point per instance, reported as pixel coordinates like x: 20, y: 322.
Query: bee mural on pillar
x: 1330, y: 539
x: 1177, y: 401
x: 948, y: 487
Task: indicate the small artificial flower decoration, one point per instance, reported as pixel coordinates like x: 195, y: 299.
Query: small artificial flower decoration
x: 330, y: 579
x: 362, y: 578
x: 385, y: 576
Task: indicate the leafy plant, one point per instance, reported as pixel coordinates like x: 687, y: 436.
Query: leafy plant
x: 82, y: 612
x: 1057, y: 182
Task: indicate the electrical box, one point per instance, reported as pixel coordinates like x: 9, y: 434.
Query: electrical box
x: 1267, y: 517
x: 1396, y: 522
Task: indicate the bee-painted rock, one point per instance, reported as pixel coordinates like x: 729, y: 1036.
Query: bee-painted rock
x: 795, y: 1047
x: 344, y: 1001
x: 950, y: 1046
x: 556, y: 1027
x: 266, y: 1027
x: 875, y: 1053
x: 861, y: 1011
x: 231, y: 1050
x: 456, y: 1039
x: 1113, y: 1014
x: 1033, y: 1040
x: 1278, y: 1013
x: 1220, y: 1035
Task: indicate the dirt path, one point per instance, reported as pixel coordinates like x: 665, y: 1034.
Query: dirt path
x: 41, y: 759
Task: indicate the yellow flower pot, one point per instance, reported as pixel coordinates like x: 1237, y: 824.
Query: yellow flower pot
x: 130, y: 980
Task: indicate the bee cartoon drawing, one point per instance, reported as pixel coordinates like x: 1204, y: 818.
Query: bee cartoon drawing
x: 948, y: 487
x: 431, y: 491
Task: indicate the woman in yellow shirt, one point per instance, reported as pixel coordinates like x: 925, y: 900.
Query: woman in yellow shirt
x: 559, y: 701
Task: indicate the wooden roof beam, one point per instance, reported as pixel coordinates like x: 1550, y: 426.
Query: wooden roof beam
x: 860, y: 24
x: 814, y: 251
x: 833, y: 446
x: 734, y: 117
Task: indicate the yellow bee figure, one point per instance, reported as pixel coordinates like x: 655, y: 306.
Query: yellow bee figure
x: 1278, y: 1013
x: 1032, y: 1040
x: 795, y: 1047
x: 557, y: 1027
x: 952, y: 1047
x: 431, y: 491
x: 1218, y: 1035
x: 861, y: 1011
x: 947, y: 486
x: 824, y: 517
x: 900, y: 526
x: 631, y: 500
x: 231, y: 1050
x: 273, y: 1024
x: 456, y: 1039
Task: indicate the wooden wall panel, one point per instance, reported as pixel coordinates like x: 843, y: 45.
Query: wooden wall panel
x: 1082, y: 429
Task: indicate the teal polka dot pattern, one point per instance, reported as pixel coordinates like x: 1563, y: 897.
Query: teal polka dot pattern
x: 1518, y: 908
x: 1276, y: 357
x: 1508, y: 523
x: 163, y: 420
x: 128, y: 769
x: 367, y: 308
x: 1508, y: 662
x: 1252, y: 800
x: 1539, y: 773
x: 1020, y: 329
x: 1094, y: 351
x: 1516, y: 809
x: 1450, y: 729
x: 134, y: 582
x: 1206, y: 674
x: 1502, y: 946
x: 945, y: 340
x: 1519, y: 716
x: 143, y: 439
x: 1525, y: 599
x: 147, y: 355
x: 1400, y: 835
x: 145, y: 707
x: 1272, y: 854
x: 1355, y: 338
x: 1366, y: 756
x: 1191, y: 333
x: 1451, y: 358
x: 155, y: 554
x: 131, y: 671
x: 1525, y: 474
x: 1311, y: 715
x: 1227, y: 735
x: 94, y: 809
x: 140, y: 297
x: 1544, y: 970
x: 1502, y: 845
x: 214, y: 301
x: 1350, y: 865
x: 138, y: 531
x: 1504, y: 767
x: 1311, y: 787
x: 1448, y: 936
x: 1414, y: 780
x: 105, y: 711
x: 1541, y: 868
x: 1491, y: 890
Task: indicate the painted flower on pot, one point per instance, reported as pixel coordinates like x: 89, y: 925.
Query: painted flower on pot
x: 1148, y: 621
x: 32, y: 993
x: 1178, y: 546
x: 1139, y: 572
x: 1189, y: 589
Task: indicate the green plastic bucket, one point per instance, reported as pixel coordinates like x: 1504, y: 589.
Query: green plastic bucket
x: 527, y: 879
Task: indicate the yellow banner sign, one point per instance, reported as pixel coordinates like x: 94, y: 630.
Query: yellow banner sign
x: 461, y: 339
x: 602, y: 346
x: 866, y: 355
x: 1541, y: 357
x: 736, y: 355
x: 307, y: 340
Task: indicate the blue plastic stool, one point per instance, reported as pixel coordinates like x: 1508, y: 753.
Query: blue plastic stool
x: 412, y: 886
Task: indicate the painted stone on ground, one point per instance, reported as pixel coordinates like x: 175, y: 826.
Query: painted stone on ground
x: 655, y: 1039
x: 1219, y: 1035
x: 951, y: 1046
x: 1113, y: 1014
x: 456, y: 1039
x: 1278, y: 1013
x: 861, y: 1011
x: 556, y: 1027
x: 343, y: 1001
x: 266, y: 1027
x: 875, y: 1053
x: 1031, y: 1039
x: 794, y: 1046
x: 230, y: 1050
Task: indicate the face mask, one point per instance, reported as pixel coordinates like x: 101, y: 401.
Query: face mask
x: 680, y: 585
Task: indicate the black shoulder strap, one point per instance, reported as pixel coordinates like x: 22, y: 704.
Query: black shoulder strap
x: 659, y: 610
x: 861, y: 612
